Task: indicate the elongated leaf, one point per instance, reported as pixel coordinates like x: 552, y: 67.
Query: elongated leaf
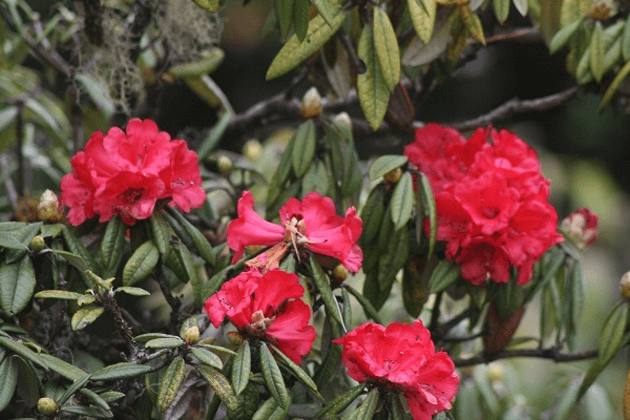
x: 625, y: 43
x: 341, y: 402
x: 152, y: 336
x: 51, y: 231
x: 303, y: 149
x: 472, y: 23
x: 273, y: 377
x: 112, y: 396
x: 112, y: 245
x: 316, y: 179
x: 241, y: 368
x: 140, y: 264
x: 85, y: 316
x: 200, y: 242
x: 385, y: 164
x: 160, y: 233
x: 521, y: 6
x: 296, y: 370
x: 9, y: 241
x: 220, y: 385
x: 88, y: 411
x: 501, y: 9
x: 57, y: 294
x: 371, y: 86
x: 73, y: 388
x: 280, y: 176
x: 323, y: 286
x: 429, y: 203
x: 118, y: 371
x: 597, y: 52
x: 387, y: 51
x: 613, y: 333
x: 563, y: 36
x: 164, y: 343
x: 75, y: 260
x: 21, y: 350
x: 301, y: 18
x: 294, y: 51
x: 576, y: 297
x: 367, y: 408
x: 212, y: 139
x: 567, y: 402
x: 285, y: 16
x: 24, y: 235
x: 402, y: 201
x: 96, y: 399
x: 17, y: 284
x: 327, y: 11
x: 368, y: 308
x: 392, y: 260
x: 445, y: 274
x: 8, y: 380
x: 208, y: 62
x: 372, y: 216
x: 62, y: 368
x: 266, y: 410
x: 610, y: 92
x: 423, y: 18
x: 134, y: 291
x: 207, y: 357
x: 76, y: 247
x: 171, y: 383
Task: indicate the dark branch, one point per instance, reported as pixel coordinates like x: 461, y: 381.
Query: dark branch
x: 553, y: 353
x: 516, y: 106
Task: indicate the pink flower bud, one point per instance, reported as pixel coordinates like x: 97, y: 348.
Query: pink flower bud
x: 581, y: 227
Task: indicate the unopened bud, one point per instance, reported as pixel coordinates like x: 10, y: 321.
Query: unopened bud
x: 311, y: 104
x: 581, y: 227
x: 47, y: 406
x: 252, y: 149
x: 601, y: 10
x: 344, y: 120
x: 495, y: 372
x: 225, y: 164
x: 192, y: 335
x: 393, y: 176
x: 49, y: 209
x: 624, y: 285
x: 235, y: 338
x: 38, y: 243
x: 340, y: 273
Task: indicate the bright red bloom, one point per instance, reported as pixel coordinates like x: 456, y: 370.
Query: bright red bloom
x: 313, y: 223
x: 492, y: 201
x: 126, y: 174
x: 266, y: 307
x: 402, y: 357
x: 582, y: 227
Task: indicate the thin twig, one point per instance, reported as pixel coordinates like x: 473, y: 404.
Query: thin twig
x: 553, y: 353
x: 174, y: 302
x: 516, y: 106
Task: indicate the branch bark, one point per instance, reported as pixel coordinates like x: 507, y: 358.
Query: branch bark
x: 553, y: 353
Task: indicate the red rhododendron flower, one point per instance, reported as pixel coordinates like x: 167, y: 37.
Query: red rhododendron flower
x: 492, y: 201
x: 266, y: 307
x: 312, y: 223
x: 582, y: 227
x: 402, y: 357
x: 126, y: 173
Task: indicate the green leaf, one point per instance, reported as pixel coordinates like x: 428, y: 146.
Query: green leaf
x: 160, y: 233
x: 501, y: 9
x: 296, y: 371
x: 625, y: 43
x: 323, y: 286
x: 445, y: 274
x: 267, y: 410
x: 473, y: 24
x: 57, y: 294
x: 112, y: 396
x: 563, y: 36
x: 75, y: 260
x: 96, y: 92
x: 614, y: 85
x: 134, y: 291
x: 9, y: 241
x: 285, y: 16
x: 96, y: 399
x: 112, y: 245
x: 118, y: 371
x: 191, y: 272
x: 73, y: 388
x: 385, y: 164
x: 51, y: 230
x: 316, y: 178
x: 62, y: 368
x: 77, y: 248
x: 521, y: 6
x: 85, y: 316
x: 576, y: 297
x: 368, y: 308
x: 88, y: 411
x: 151, y: 336
x: 273, y: 377
x: 140, y: 264
x: 567, y: 403
x: 372, y: 216
x: 220, y: 385
x: 402, y: 201
x: 214, y: 136
x: 303, y: 149
x: 248, y: 403
x: 371, y: 86
x: 280, y: 176
x: 392, y: 260
x: 200, y: 242
x: 241, y: 368
x: 208, y: 5
x: 301, y: 18
x: 21, y: 350
x: 428, y: 202
x: 612, y: 337
x: 341, y: 402
x: 17, y: 284
x: 597, y: 52
x: 386, y: 46
x: 207, y: 357
x: 24, y: 235
x: 207, y: 63
x: 164, y: 343
x: 327, y: 11
x: 8, y: 380
x: 7, y: 116
x: 367, y: 408
x: 294, y: 51
x: 171, y: 383
x: 423, y: 18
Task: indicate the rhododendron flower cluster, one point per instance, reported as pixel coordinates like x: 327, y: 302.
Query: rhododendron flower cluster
x: 127, y: 173
x: 266, y: 307
x: 312, y: 223
x: 582, y: 227
x: 492, y: 200
x: 402, y: 357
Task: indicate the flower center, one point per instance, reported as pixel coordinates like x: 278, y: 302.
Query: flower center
x: 131, y: 195
x: 259, y: 325
x: 295, y: 233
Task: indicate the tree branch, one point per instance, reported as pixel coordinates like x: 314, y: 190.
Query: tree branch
x: 516, y: 106
x: 553, y: 353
